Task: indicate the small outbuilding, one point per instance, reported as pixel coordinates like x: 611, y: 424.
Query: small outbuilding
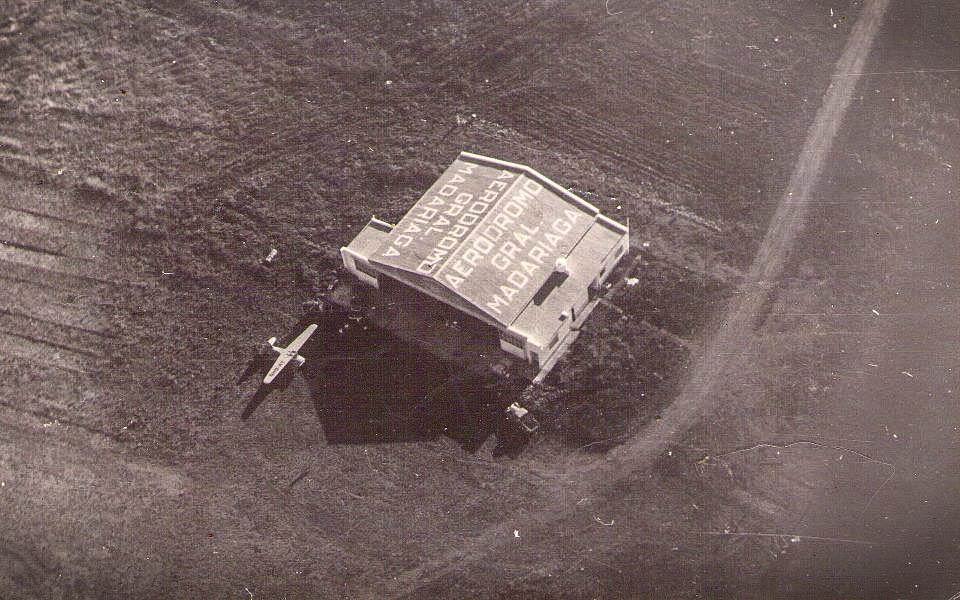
x: 495, y: 245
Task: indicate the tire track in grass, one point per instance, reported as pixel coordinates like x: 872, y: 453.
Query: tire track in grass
x: 42, y: 245
x: 695, y: 399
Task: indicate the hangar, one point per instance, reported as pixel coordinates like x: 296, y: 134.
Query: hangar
x: 501, y: 246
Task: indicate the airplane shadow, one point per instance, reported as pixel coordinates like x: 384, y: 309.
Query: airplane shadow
x: 367, y: 386
x: 258, y: 365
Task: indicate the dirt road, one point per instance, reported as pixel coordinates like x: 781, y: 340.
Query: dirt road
x: 791, y: 462
x: 727, y: 349
x: 827, y: 468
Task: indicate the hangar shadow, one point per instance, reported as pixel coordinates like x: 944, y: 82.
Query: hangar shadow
x: 368, y: 386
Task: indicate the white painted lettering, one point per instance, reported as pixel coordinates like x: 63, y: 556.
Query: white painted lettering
x: 521, y: 237
x: 528, y: 229
x: 478, y: 207
x: 513, y: 209
x: 518, y: 279
x: 510, y: 250
x: 562, y: 226
x: 472, y: 256
x: 427, y: 213
x: 523, y: 197
x: 552, y: 238
x: 493, y: 232
x: 462, y: 269
x: 496, y: 304
x: 538, y: 254
x: 483, y: 245
x: 528, y: 267
x: 532, y: 186
x: 502, y: 221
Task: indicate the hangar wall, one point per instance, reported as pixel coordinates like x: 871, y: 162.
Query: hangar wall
x: 501, y: 243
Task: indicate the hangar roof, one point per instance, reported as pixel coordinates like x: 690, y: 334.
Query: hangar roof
x: 488, y: 233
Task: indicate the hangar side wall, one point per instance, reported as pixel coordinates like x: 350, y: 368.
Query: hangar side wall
x: 562, y: 306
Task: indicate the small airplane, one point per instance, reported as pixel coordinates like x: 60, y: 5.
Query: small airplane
x: 289, y: 353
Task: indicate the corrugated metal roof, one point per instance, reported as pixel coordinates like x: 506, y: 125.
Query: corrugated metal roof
x: 539, y: 318
x: 371, y: 237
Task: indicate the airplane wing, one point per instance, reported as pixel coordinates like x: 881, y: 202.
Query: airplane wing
x: 298, y: 343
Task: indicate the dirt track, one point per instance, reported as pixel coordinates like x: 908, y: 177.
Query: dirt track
x: 727, y: 349
x: 214, y: 131
x: 737, y: 328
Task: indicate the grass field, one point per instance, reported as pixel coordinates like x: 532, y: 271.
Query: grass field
x: 152, y: 153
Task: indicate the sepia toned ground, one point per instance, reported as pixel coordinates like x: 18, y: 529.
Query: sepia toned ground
x: 151, y: 154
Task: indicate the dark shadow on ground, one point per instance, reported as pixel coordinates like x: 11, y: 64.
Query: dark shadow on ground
x: 279, y: 384
x: 368, y: 386
x: 258, y: 365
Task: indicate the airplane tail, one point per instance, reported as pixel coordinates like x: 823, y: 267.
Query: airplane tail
x: 270, y: 345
